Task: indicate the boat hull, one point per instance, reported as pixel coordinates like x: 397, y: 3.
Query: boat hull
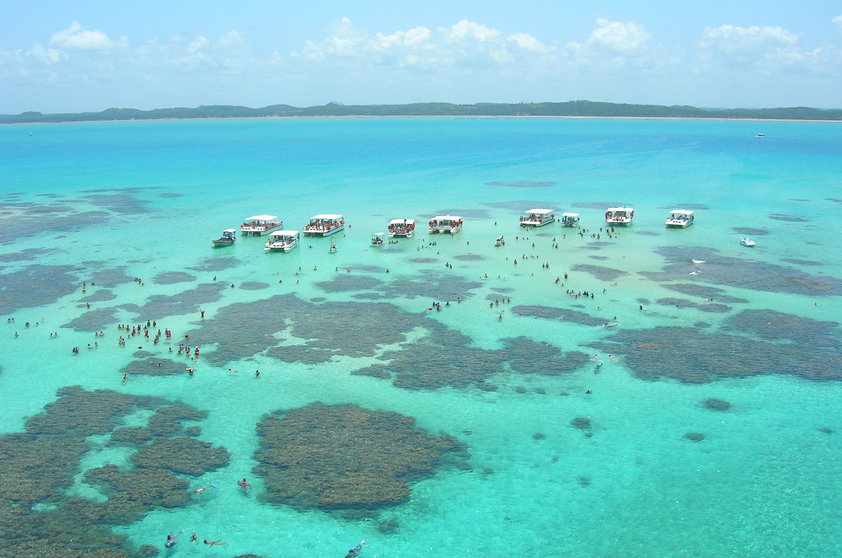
x: 324, y: 232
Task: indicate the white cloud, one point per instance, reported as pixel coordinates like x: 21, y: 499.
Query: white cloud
x: 527, y: 42
x: 618, y: 37
x: 468, y: 30
x: 197, y: 44
x: 46, y: 55
x: 838, y: 21
x: 412, y: 38
x: 232, y: 39
x: 76, y: 38
x: 766, y: 49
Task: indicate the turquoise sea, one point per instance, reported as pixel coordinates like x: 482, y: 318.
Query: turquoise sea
x: 687, y: 405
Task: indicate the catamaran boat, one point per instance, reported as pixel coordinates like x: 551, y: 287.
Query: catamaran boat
x: 746, y: 241
x: 324, y: 225
x: 445, y: 224
x: 377, y: 239
x: 227, y: 239
x: 569, y: 219
x: 282, y: 241
x: 537, y: 218
x: 680, y: 218
x: 401, y: 227
x: 260, y: 224
x: 619, y: 215
x: 500, y: 241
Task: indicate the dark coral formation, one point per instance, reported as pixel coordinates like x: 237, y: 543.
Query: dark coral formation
x: 35, y: 285
x: 581, y: 423
x: 600, y: 272
x: 684, y: 303
x: 742, y: 273
x: 93, y: 320
x: 694, y: 436
x: 253, y: 285
x: 173, y: 277
x: 441, y: 357
x: 153, y: 366
x: 707, y: 292
x: 771, y: 325
x: 690, y: 355
x: 343, y: 457
x: 788, y: 218
x: 182, y: 456
x: 552, y: 313
x: 528, y: 357
x: 186, y: 302
x: 716, y: 404
x: 38, y: 517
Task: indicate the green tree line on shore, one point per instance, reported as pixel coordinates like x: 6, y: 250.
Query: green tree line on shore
x: 570, y: 108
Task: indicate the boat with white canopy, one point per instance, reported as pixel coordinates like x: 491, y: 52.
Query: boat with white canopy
x: 282, y: 241
x: 258, y: 225
x: 324, y: 225
x: 401, y: 227
x: 680, y: 218
x: 537, y: 218
x: 619, y: 215
x: 569, y: 219
x: 445, y: 224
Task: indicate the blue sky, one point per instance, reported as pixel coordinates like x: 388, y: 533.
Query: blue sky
x: 58, y: 56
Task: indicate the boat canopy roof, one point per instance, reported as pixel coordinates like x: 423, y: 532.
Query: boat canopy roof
x: 325, y: 217
x: 681, y: 212
x: 539, y: 211
x: 283, y: 233
x: 262, y: 218
x: 402, y: 221
x: 615, y: 209
x: 377, y: 234
x: 447, y: 218
x: 569, y: 214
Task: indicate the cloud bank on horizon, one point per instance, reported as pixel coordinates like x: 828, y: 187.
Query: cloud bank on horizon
x: 80, y: 67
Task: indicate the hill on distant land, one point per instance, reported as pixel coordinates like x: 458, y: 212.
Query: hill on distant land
x: 571, y: 108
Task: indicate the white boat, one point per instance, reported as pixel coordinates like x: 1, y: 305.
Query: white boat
x: 401, y: 227
x: 537, y: 218
x: 324, y: 225
x: 500, y: 241
x: 282, y: 241
x: 260, y: 224
x: 746, y: 241
x: 680, y: 218
x: 619, y: 215
x: 227, y: 239
x: 445, y: 224
x: 569, y: 219
x: 332, y: 248
x: 377, y: 239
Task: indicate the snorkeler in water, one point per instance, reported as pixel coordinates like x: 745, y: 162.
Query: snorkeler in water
x: 171, y: 540
x: 214, y: 543
x: 244, y: 485
x: 355, y: 551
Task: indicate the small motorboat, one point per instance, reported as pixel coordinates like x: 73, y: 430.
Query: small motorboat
x: 227, y: 239
x: 332, y: 247
x: 377, y: 239
x: 500, y: 241
x: 746, y: 241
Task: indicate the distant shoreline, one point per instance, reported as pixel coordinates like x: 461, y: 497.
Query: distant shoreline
x: 415, y: 116
x: 572, y: 109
